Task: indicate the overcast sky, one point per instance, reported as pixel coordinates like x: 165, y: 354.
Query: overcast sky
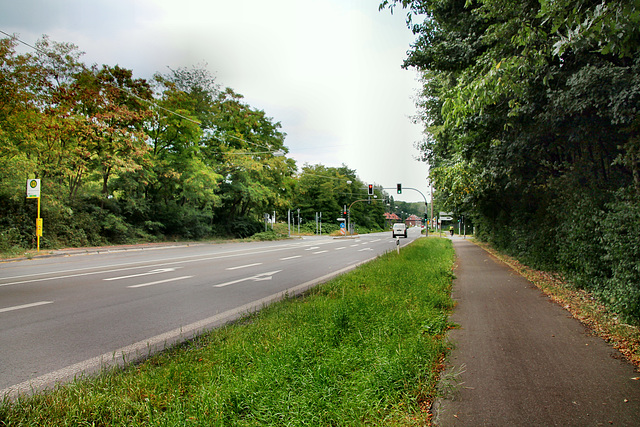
x: 328, y: 70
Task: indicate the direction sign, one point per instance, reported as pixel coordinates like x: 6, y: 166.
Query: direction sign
x: 446, y: 218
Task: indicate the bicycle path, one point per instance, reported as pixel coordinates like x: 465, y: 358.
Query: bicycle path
x: 521, y: 360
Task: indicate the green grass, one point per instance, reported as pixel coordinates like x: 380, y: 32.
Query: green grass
x: 362, y: 349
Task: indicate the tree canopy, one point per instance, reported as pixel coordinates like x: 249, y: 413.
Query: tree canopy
x: 531, y: 124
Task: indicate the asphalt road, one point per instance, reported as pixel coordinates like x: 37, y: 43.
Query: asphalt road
x: 62, y: 316
x: 521, y: 360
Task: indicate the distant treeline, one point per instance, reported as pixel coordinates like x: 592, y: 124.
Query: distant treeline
x: 123, y: 159
x: 532, y: 113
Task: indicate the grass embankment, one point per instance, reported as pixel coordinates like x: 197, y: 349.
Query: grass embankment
x: 363, y: 349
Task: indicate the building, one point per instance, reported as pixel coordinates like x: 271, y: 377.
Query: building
x: 413, y: 221
x: 390, y: 219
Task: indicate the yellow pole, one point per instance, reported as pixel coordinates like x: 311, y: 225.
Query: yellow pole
x: 38, y: 225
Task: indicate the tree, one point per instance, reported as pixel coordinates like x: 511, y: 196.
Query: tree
x: 244, y: 142
x: 530, y: 112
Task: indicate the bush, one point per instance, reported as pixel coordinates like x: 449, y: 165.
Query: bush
x: 621, y: 246
x: 11, y: 242
x: 244, y: 227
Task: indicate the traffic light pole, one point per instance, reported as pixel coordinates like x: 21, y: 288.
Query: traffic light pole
x: 349, y: 212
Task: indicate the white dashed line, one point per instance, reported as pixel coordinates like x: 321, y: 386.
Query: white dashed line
x: 142, y: 285
x: 243, y: 266
x: 290, y: 257
x: 20, y: 307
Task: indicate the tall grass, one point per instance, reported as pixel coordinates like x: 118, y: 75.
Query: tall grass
x: 359, y: 350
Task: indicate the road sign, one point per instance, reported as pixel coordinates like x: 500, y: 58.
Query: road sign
x: 33, y: 188
x: 446, y: 218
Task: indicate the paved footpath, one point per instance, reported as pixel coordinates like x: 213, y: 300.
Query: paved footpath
x: 522, y: 360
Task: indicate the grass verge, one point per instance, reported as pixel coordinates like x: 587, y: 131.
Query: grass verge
x: 582, y: 306
x: 363, y: 349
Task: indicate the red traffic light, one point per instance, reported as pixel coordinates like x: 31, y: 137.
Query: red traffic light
x: 370, y: 189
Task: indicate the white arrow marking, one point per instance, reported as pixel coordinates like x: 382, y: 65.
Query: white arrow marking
x: 157, y: 271
x: 256, y: 278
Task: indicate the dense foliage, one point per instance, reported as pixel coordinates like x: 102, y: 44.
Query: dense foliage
x: 531, y: 111
x: 124, y: 159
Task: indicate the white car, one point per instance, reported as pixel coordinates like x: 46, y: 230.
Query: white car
x: 399, y: 229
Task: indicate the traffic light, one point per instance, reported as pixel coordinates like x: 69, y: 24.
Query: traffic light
x: 371, y: 189
x: 399, y: 188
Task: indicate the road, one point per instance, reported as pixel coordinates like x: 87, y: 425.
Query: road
x: 62, y: 316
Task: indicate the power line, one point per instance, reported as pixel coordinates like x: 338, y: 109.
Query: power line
x: 128, y: 92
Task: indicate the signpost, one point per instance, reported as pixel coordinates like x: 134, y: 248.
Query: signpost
x: 33, y: 192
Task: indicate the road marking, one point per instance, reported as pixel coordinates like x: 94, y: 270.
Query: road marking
x: 365, y: 249
x: 142, y: 349
x: 290, y: 257
x: 341, y: 248
x: 243, y: 266
x: 312, y: 248
x: 20, y: 307
x: 157, y: 271
x: 174, y: 279
x: 319, y: 252
x: 160, y: 263
x: 377, y: 240
x: 256, y: 278
x: 353, y: 246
